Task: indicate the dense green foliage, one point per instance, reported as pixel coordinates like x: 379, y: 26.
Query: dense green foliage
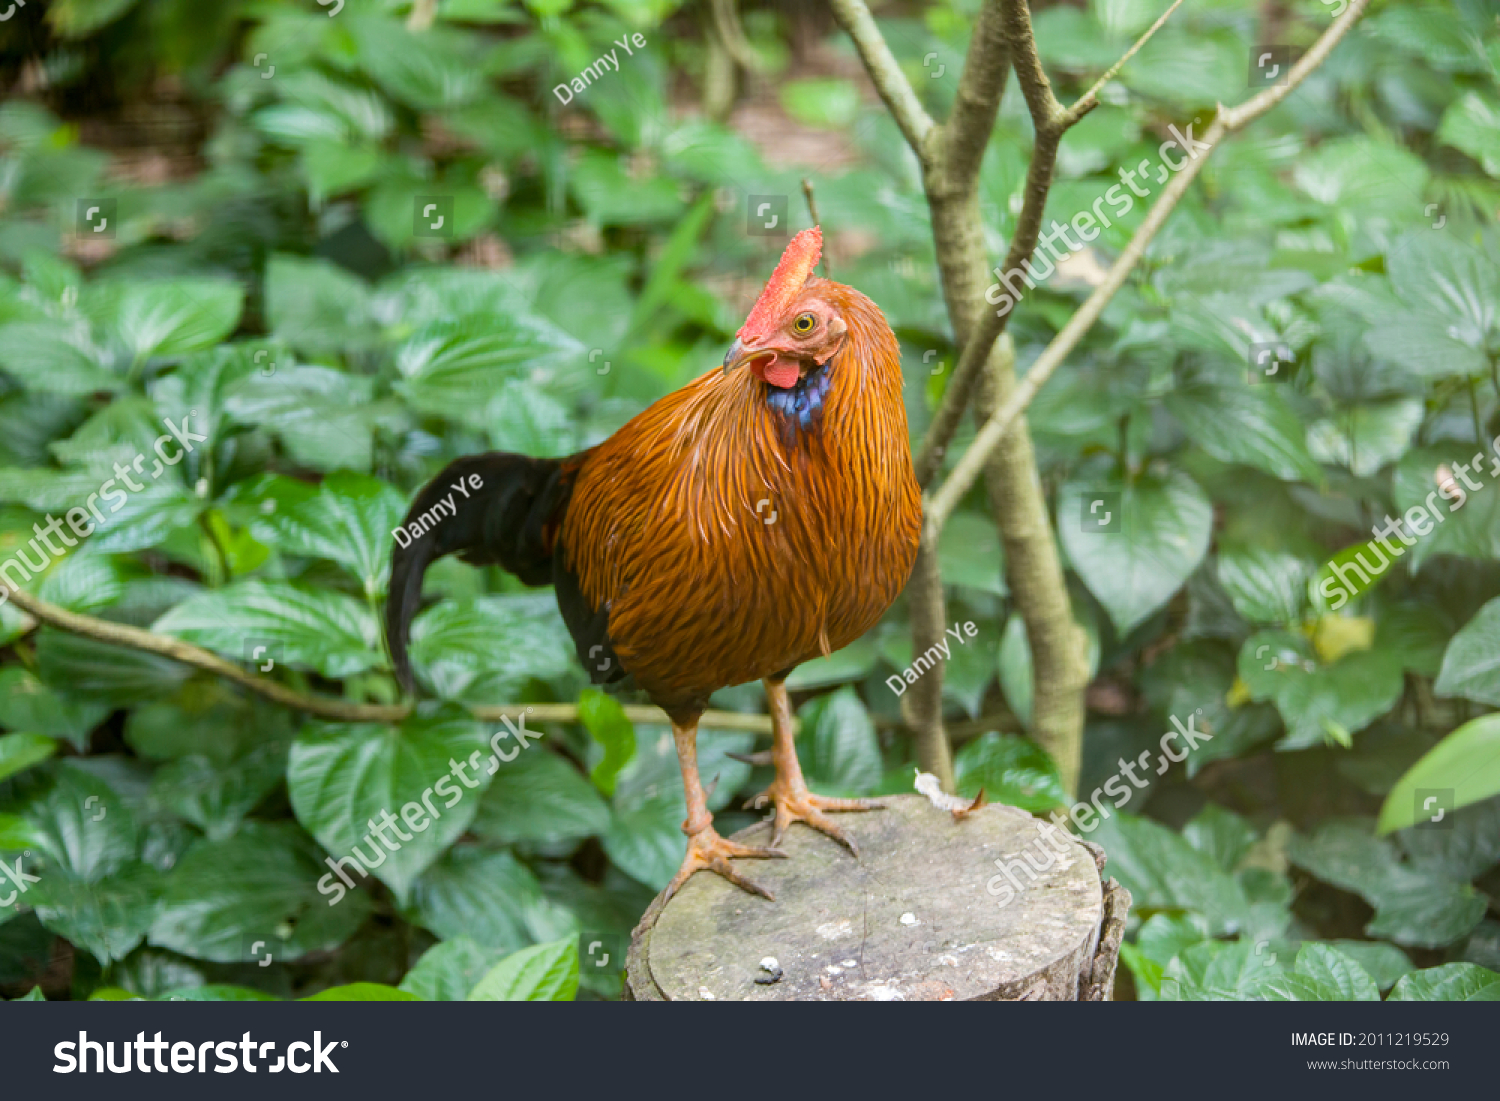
x: 269, y: 280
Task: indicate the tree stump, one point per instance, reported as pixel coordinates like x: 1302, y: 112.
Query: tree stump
x: 910, y: 920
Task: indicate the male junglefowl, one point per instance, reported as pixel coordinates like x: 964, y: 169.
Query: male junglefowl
x: 742, y: 525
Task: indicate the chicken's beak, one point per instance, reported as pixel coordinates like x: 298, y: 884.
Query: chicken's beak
x: 735, y: 356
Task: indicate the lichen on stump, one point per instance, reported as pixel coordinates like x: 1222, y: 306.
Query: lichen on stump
x: 911, y: 919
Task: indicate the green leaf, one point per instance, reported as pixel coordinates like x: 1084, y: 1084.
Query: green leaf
x: 969, y: 554
x: 363, y: 992
x: 1163, y: 533
x: 1164, y: 872
x: 100, y: 673
x: 1268, y: 434
x: 19, y: 752
x: 215, y: 796
x: 1471, y: 664
x: 1472, y: 123
x: 46, y: 358
x: 217, y: 992
x: 541, y: 973
x: 448, y: 970
x: 485, y: 648
x: 26, y: 704
x: 1335, y: 974
x: 80, y: 823
x: 540, y: 798
x: 235, y: 900
x: 1265, y: 586
x: 316, y: 306
x: 1453, y: 982
x: 1450, y: 313
x: 341, y: 778
x: 452, y: 368
x: 325, y: 630
x: 81, y: 18
x: 1414, y: 905
x: 1334, y: 702
x: 839, y: 751
x: 176, y: 317
x: 108, y: 916
x: 1011, y: 770
x: 347, y: 518
x: 488, y: 896
x: 1467, y: 761
x: 607, y: 723
x: 1366, y: 437
x: 433, y: 70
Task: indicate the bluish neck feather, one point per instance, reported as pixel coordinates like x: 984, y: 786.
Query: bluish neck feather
x: 801, y: 404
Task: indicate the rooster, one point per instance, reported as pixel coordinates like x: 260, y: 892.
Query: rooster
x: 761, y: 516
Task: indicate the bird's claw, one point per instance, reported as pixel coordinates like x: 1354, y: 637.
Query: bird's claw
x: 797, y: 804
x: 708, y: 851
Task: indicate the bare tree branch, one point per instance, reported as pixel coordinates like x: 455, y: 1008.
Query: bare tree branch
x: 885, y: 72
x: 1227, y: 121
x: 325, y: 707
x: 1090, y: 99
x: 1050, y: 121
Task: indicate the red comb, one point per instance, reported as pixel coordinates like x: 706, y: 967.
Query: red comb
x: 797, y: 263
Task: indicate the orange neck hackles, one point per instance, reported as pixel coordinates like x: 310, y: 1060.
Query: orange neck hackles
x: 797, y: 263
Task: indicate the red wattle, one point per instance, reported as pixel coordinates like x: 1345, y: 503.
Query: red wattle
x: 780, y: 374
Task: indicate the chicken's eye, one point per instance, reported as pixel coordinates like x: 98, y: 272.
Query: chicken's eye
x: 805, y: 323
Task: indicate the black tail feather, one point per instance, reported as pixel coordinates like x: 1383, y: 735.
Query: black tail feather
x: 509, y: 518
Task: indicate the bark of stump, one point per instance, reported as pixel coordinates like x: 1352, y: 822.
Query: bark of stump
x: 911, y: 919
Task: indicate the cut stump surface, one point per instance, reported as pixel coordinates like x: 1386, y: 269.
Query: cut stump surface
x: 911, y: 919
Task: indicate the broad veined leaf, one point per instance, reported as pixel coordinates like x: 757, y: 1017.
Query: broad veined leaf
x: 541, y: 973
x: 347, y: 518
x: 1452, y: 982
x: 26, y: 704
x: 612, y: 729
x: 1136, y: 560
x: 539, y: 797
x: 449, y: 969
x: 1011, y: 770
x: 487, y: 896
x: 1471, y: 664
x: 1450, y: 290
x: 18, y: 752
x: 1366, y: 437
x: 253, y: 895
x: 47, y: 358
x: 1267, y: 432
x: 453, y: 368
x: 840, y: 753
x: 317, y: 307
x: 328, y: 631
x: 483, y: 648
x: 171, y: 318
x: 401, y: 794
x: 1464, y: 768
x: 363, y: 992
x: 1413, y: 905
x: 1266, y: 586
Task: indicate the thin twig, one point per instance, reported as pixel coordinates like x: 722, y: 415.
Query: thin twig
x: 326, y: 707
x: 812, y: 212
x: 942, y: 502
x: 1090, y: 99
x: 886, y: 74
x: 1049, y: 121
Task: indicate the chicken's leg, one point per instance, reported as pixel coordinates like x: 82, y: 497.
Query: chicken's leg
x: 706, y: 849
x: 788, y: 792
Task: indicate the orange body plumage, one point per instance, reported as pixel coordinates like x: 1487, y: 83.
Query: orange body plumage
x: 738, y: 527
